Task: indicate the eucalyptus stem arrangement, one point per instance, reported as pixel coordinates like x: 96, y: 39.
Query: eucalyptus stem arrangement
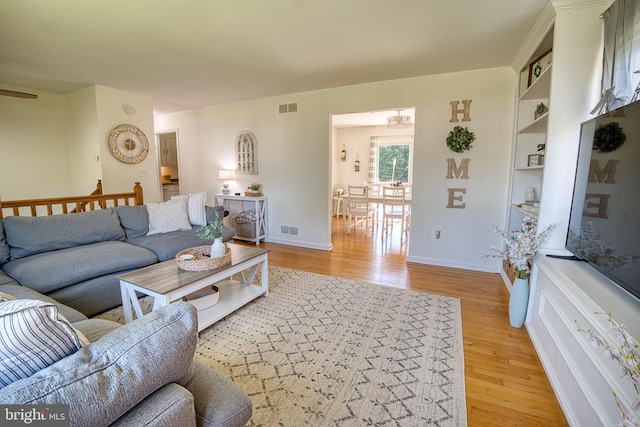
x: 211, y: 230
x: 522, y: 244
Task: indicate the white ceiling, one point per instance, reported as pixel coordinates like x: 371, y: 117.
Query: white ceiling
x: 190, y: 54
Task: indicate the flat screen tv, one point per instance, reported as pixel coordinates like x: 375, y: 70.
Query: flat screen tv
x: 604, y: 225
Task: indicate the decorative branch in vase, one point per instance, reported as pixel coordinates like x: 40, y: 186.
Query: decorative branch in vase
x: 521, y: 246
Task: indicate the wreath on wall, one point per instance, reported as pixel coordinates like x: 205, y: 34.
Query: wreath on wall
x: 460, y: 139
x: 608, y: 138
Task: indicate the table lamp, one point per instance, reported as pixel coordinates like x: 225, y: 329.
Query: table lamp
x: 226, y: 175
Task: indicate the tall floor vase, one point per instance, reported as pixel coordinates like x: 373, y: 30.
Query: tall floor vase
x: 518, y: 302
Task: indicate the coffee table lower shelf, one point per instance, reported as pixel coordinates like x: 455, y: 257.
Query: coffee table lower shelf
x: 233, y: 295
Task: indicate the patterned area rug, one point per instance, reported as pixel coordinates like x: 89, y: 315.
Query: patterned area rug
x: 325, y: 351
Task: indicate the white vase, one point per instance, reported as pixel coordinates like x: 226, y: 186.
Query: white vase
x: 218, y: 248
x: 518, y: 302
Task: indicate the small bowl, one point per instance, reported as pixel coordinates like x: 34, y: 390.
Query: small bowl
x: 186, y: 257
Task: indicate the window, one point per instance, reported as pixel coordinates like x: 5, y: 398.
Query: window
x: 391, y: 159
x: 247, y: 153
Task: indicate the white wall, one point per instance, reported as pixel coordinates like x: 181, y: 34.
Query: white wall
x: 295, y: 157
x: 84, y: 149
x: 117, y: 176
x: 575, y: 89
x: 33, y: 146
x: 57, y: 145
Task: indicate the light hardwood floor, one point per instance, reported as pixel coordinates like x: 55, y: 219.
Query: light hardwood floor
x: 505, y: 382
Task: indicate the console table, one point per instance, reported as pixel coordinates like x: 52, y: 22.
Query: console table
x: 259, y: 203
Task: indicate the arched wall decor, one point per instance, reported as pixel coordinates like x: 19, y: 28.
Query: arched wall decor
x: 247, y: 153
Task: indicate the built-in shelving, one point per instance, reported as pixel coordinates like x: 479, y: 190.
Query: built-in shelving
x: 527, y: 168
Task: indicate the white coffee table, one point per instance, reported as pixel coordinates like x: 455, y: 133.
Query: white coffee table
x: 167, y: 283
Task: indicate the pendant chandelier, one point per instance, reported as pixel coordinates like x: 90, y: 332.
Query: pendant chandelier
x: 399, y: 121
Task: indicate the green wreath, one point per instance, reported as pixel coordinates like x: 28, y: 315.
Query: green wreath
x: 460, y: 139
x: 608, y: 138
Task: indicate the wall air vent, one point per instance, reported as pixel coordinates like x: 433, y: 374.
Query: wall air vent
x: 288, y: 108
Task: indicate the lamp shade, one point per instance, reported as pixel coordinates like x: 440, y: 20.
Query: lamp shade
x: 227, y: 174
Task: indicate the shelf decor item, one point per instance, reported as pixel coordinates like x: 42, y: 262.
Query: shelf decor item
x: 537, y: 67
x: 534, y: 160
x: 460, y: 139
x: 521, y: 245
x: 253, y: 190
x: 540, y: 110
x: 608, y: 138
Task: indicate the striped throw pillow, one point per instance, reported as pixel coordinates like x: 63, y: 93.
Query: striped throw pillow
x: 195, y: 207
x: 33, y: 335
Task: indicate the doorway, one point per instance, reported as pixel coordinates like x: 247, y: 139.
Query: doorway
x: 362, y: 144
x: 169, y: 166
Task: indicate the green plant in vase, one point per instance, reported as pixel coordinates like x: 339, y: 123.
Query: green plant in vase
x: 213, y: 230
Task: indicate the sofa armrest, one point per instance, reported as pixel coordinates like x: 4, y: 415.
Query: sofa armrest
x: 105, y: 379
x: 218, y: 400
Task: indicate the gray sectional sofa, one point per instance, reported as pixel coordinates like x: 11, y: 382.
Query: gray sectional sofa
x: 141, y: 373
x: 75, y: 258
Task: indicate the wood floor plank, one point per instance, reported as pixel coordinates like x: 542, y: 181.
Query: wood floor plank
x: 505, y: 382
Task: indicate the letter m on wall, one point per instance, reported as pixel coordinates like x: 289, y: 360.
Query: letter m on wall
x: 461, y: 172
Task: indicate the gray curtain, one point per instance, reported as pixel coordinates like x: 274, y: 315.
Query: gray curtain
x: 621, y: 54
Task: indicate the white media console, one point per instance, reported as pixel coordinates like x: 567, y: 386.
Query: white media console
x: 565, y: 297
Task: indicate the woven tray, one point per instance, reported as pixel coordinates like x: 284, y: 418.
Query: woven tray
x: 201, y: 260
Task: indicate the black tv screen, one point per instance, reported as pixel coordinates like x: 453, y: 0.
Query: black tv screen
x: 604, y: 225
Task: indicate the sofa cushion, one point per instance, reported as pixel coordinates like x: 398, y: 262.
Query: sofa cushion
x: 5, y: 253
x: 94, y: 329
x: 195, y: 207
x: 33, y: 335
x: 33, y: 235
x: 46, y: 272
x: 23, y: 292
x: 168, y: 216
x: 218, y: 400
x: 6, y: 280
x: 105, y: 379
x: 134, y: 220
x: 172, y: 405
x: 92, y: 296
x: 167, y: 245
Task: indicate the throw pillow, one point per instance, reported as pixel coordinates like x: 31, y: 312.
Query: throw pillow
x: 168, y: 216
x: 33, y: 335
x: 195, y: 207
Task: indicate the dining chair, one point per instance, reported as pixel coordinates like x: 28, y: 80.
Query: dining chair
x: 395, y: 206
x: 358, y: 210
